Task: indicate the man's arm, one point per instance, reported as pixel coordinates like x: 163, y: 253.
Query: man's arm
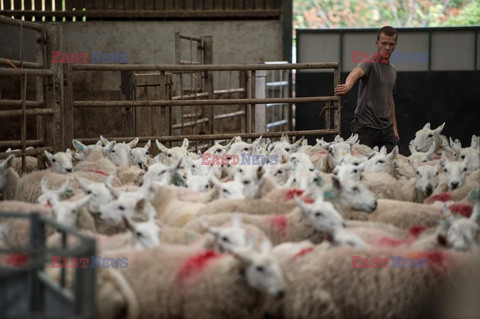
x: 352, y: 78
x: 394, y: 119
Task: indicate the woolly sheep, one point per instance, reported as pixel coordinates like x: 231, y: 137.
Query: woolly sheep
x: 8, y: 178
x: 189, y: 283
x: 425, y: 137
x: 61, y: 162
x: 322, y: 284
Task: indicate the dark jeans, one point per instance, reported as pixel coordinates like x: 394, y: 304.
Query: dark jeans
x: 375, y: 137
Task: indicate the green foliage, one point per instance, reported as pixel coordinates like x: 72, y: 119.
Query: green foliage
x: 376, y: 13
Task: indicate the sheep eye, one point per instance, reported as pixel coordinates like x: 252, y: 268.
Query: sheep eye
x: 207, y: 186
x: 464, y: 169
x: 246, y: 182
x: 245, y: 149
x: 139, y: 234
x: 113, y: 151
x: 418, y: 173
x: 355, y: 171
x: 225, y: 239
x: 279, y: 171
x: 260, y: 269
x: 287, y: 149
x: 121, y: 207
x: 381, y: 161
x: 318, y: 214
x: 356, y: 163
x: 218, y: 150
x: 315, y: 180
x: 194, y: 166
x: 355, y: 189
x: 240, y: 170
x: 89, y: 192
x: 430, y: 135
x: 462, y: 157
x: 225, y: 191
x: 162, y: 172
x: 311, y: 169
x: 294, y: 180
x: 169, y: 155
x: 54, y: 160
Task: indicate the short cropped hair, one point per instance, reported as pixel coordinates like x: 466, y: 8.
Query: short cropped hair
x: 388, y: 30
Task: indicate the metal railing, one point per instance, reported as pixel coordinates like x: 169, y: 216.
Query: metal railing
x: 332, y: 126
x: 40, y: 296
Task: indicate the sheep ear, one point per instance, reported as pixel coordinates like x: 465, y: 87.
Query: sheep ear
x: 65, y: 188
x: 115, y: 193
x: 108, y: 180
x: 81, y: 184
x: 104, y: 140
x: 243, y: 255
x: 394, y: 152
x: 162, y: 148
x: 439, y: 129
x: 128, y: 223
x: 336, y: 183
x: 148, y: 145
x: 109, y: 147
x: 140, y: 205
x: 133, y: 143
x: 266, y: 246
x: 185, y: 143
x: 43, y: 184
x: 475, y: 212
x: 82, y: 201
x: 48, y: 155
x: 300, y: 203
x: 427, y: 126
x: 79, y: 146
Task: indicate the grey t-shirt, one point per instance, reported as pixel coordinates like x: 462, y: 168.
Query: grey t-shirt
x: 375, y: 92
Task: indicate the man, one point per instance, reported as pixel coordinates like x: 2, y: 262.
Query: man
x: 374, y: 119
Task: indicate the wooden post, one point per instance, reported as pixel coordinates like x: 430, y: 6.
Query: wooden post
x: 208, y: 59
x: 53, y: 90
x: 68, y: 104
x: 337, y: 113
x: 260, y: 109
x: 128, y: 116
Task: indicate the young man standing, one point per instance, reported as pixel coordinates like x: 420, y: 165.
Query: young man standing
x: 374, y: 119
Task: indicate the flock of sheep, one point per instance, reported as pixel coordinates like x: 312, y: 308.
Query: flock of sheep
x: 301, y: 237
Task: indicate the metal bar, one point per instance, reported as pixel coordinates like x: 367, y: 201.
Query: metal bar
x: 276, y: 104
x: 202, y: 102
x: 56, y: 289
x: 25, y: 24
x: 188, y: 124
x: 228, y: 115
x: 277, y: 84
x: 189, y: 37
x: 38, y: 72
x: 217, y: 136
x: 99, y: 13
x: 185, y: 62
x: 31, y: 65
x: 19, y: 103
x: 200, y: 68
x: 216, y: 92
x: 16, y: 143
x: 37, y: 243
x: 277, y: 123
x: 28, y: 112
x: 23, y: 89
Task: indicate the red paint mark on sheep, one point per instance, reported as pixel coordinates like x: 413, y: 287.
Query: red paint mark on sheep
x: 290, y: 194
x: 443, y: 197
x: 391, y: 242
x: 308, y: 200
x: 415, y: 231
x: 16, y: 260
x: 280, y: 223
x: 97, y: 171
x: 303, y: 252
x: 195, y: 264
x: 461, y: 209
x: 436, y: 259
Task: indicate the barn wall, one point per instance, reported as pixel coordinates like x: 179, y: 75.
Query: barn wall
x: 442, y: 88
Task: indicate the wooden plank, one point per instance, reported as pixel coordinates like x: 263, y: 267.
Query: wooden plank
x: 68, y: 105
x: 128, y: 117
x: 208, y: 4
x: 189, y: 4
x: 209, y: 87
x: 229, y: 4
x: 218, y: 4
x: 168, y: 5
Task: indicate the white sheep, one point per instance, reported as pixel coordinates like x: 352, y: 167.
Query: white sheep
x: 8, y: 178
x: 119, y: 154
x: 189, y: 283
x: 139, y: 155
x: 426, y: 137
x: 63, y: 192
x: 328, y: 284
x: 61, y: 162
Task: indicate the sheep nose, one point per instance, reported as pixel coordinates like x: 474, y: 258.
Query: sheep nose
x: 454, y: 185
x: 280, y: 294
x: 428, y: 190
x: 69, y: 170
